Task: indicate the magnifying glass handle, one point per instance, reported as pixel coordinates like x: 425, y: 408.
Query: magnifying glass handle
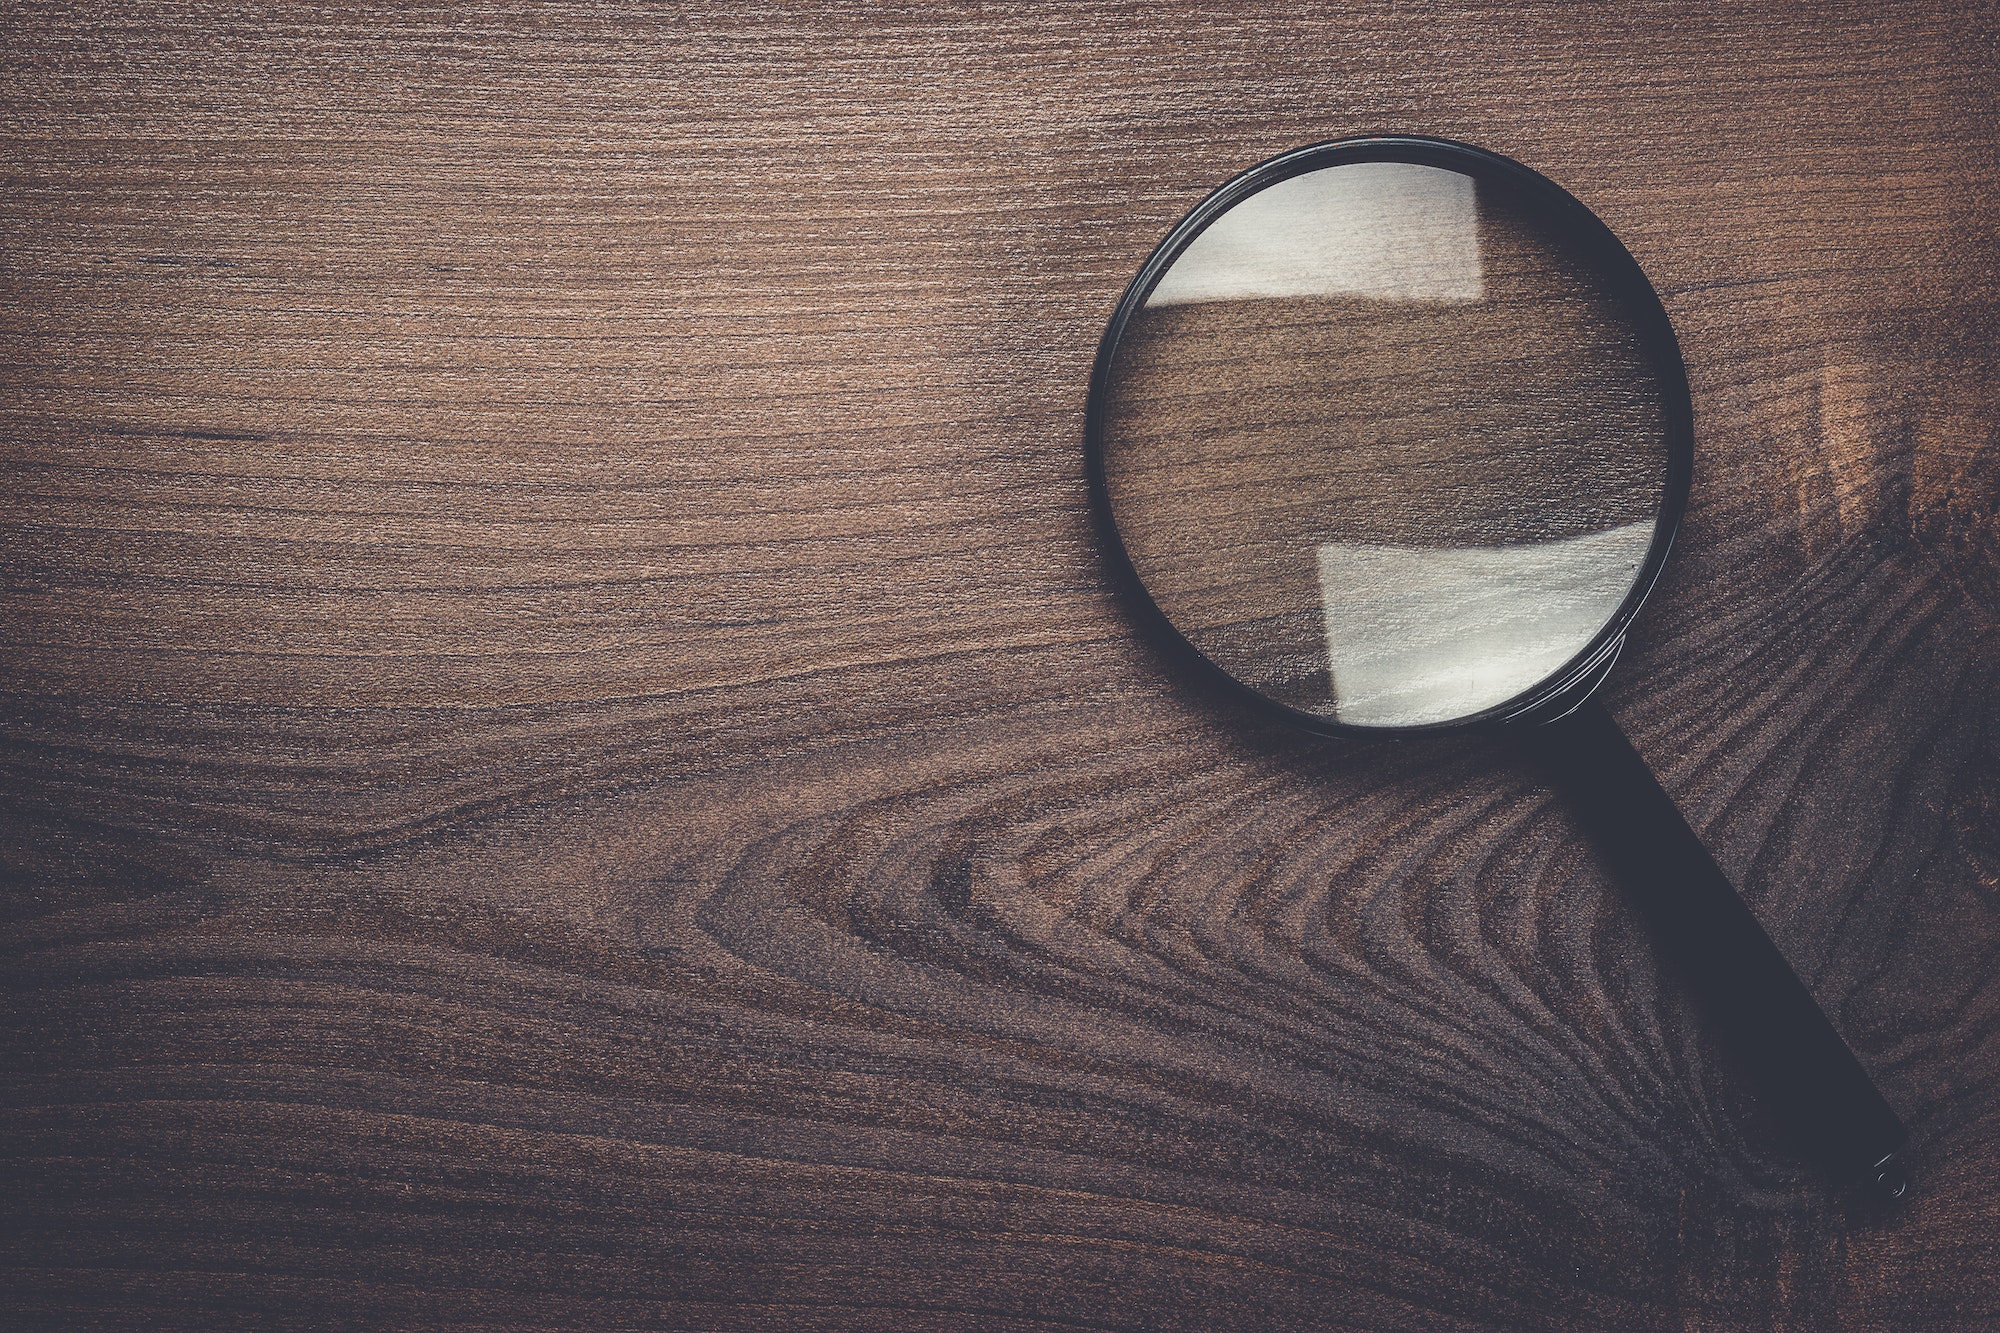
x: 1750, y: 995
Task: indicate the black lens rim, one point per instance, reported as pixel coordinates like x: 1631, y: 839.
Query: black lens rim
x: 1559, y: 692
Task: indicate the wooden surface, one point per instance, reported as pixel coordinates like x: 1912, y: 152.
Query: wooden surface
x: 571, y: 761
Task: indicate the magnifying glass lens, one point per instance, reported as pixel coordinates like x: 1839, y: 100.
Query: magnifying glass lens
x: 1387, y: 442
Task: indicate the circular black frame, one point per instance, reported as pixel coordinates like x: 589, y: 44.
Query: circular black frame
x: 1563, y: 690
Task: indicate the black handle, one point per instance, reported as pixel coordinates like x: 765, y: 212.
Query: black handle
x: 1752, y: 997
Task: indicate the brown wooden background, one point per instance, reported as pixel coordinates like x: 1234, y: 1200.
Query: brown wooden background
x: 570, y: 760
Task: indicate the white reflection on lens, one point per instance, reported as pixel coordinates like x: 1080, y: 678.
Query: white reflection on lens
x: 1429, y: 634
x: 1392, y: 230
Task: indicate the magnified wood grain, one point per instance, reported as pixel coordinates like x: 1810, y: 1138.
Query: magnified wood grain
x: 1239, y: 437
x: 569, y: 757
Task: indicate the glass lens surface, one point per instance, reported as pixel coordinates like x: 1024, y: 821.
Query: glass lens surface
x: 1386, y: 443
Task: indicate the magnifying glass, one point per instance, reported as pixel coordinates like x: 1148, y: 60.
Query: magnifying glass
x: 1392, y: 436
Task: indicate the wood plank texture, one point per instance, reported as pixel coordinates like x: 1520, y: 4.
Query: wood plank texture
x: 569, y: 758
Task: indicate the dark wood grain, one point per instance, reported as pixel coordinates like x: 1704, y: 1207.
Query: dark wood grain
x: 571, y: 759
